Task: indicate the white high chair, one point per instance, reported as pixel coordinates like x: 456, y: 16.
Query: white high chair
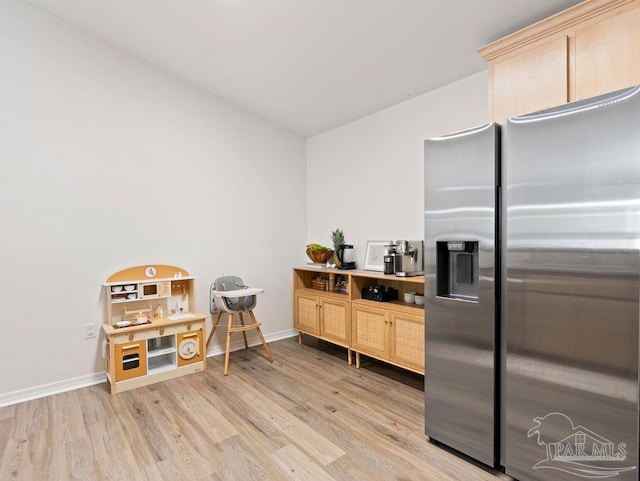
x: 232, y: 296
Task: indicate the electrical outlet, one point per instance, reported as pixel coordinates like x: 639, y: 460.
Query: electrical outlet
x: 89, y: 331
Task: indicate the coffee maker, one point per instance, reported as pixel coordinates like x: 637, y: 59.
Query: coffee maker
x: 389, y: 258
x: 408, y: 258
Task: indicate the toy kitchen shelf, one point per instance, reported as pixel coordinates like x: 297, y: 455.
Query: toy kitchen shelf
x: 152, y: 331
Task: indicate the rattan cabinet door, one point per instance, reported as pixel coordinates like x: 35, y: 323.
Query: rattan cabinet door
x: 306, y: 317
x: 369, y: 330
x: 407, y: 340
x: 335, y: 318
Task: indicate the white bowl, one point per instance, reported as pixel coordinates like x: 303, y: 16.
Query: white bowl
x: 132, y: 296
x: 419, y: 300
x: 116, y: 288
x: 123, y: 323
x: 409, y: 297
x: 130, y: 287
x: 141, y: 320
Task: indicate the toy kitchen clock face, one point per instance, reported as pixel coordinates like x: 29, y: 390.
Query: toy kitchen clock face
x: 150, y: 271
x: 188, y: 349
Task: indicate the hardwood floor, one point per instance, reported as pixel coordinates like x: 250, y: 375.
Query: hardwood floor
x: 306, y: 416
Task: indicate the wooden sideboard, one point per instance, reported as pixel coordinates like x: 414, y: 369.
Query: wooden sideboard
x: 589, y: 49
x: 328, y: 305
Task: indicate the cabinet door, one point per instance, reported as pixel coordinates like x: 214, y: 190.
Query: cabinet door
x: 407, y: 340
x: 131, y: 360
x: 306, y: 318
x: 533, y: 80
x: 369, y: 330
x: 608, y: 55
x: 334, y: 320
x: 190, y: 347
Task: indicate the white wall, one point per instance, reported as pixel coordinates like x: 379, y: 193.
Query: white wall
x: 367, y: 177
x: 107, y: 162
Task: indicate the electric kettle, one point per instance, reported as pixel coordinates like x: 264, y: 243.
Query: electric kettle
x: 347, y: 256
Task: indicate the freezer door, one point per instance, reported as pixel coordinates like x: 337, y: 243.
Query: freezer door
x: 460, y: 290
x: 572, y: 194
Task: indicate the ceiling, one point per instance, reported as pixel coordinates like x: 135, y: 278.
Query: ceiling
x: 308, y: 65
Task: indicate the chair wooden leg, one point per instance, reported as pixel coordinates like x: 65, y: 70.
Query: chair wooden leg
x: 213, y: 329
x: 299, y: 337
x: 349, y: 356
x: 244, y: 333
x: 264, y: 342
x: 358, y: 360
x: 226, y: 354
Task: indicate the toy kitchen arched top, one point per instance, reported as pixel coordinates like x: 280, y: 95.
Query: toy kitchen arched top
x: 155, y: 289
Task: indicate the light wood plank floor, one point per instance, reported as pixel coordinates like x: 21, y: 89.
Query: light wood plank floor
x: 306, y: 416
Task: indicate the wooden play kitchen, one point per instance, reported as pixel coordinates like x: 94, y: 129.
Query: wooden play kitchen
x: 363, y: 311
x: 152, y: 332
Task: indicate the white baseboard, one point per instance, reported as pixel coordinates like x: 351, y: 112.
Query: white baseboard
x: 53, y: 388
x: 238, y: 343
x: 100, y: 377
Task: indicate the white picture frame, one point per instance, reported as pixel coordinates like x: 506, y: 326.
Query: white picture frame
x: 374, y: 256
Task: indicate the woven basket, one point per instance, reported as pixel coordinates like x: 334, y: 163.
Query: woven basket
x: 319, y: 257
x: 319, y: 284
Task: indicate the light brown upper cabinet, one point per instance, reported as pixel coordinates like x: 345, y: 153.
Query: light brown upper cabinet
x: 589, y: 49
x: 532, y: 80
x: 608, y: 55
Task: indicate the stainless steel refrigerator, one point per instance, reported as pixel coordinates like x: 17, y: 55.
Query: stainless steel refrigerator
x: 571, y: 297
x: 567, y: 292
x: 461, y: 175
